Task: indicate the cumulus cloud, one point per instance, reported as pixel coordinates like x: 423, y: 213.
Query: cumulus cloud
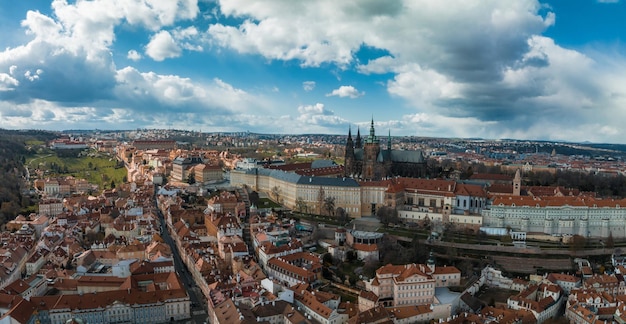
x: 308, y: 85
x: 65, y: 75
x: 318, y: 115
x: 133, y: 55
x: 346, y: 91
x: 482, y: 62
x: 69, y: 59
x: 162, y: 46
x: 477, y: 68
x: 7, y: 82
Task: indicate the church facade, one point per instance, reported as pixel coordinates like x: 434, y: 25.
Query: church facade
x: 364, y: 159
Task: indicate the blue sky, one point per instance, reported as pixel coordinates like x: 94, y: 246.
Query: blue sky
x: 552, y: 70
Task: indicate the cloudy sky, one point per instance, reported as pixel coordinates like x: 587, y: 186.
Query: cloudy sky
x: 524, y: 69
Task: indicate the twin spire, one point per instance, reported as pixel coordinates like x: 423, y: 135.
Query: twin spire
x: 370, y: 139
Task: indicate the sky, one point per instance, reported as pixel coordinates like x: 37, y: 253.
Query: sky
x: 522, y: 69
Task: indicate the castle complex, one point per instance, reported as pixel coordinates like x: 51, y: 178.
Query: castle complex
x: 366, y: 161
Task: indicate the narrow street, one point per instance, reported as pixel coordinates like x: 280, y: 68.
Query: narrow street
x: 198, y: 308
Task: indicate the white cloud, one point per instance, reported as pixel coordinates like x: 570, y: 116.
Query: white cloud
x: 162, y: 46
x: 317, y: 116
x: 346, y: 91
x: 479, y: 68
x: 133, y: 55
x: 477, y: 61
x: 188, y: 38
x: 316, y: 109
x: 7, y: 82
x: 169, y: 93
x: 308, y: 85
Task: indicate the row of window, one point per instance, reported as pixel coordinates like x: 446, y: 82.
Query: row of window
x: 411, y: 287
x: 414, y: 301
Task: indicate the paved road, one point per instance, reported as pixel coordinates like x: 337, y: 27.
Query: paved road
x: 196, y: 297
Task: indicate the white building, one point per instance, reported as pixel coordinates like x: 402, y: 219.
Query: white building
x: 586, y: 216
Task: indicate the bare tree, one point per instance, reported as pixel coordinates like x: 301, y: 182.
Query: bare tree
x: 320, y: 200
x: 329, y: 205
x: 342, y: 215
x: 301, y: 205
x: 387, y: 215
x: 276, y: 193
x: 578, y: 243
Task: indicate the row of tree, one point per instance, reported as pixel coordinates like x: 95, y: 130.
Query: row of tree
x: 605, y: 185
x: 13, y: 185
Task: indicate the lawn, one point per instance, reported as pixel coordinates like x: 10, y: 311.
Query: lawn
x: 100, y: 169
x: 267, y: 203
x: 318, y: 218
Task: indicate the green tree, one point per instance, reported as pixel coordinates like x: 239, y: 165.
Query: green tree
x: 191, y: 177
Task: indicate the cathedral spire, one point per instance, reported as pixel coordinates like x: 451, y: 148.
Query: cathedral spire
x: 349, y: 143
x: 389, y: 141
x: 372, y: 137
x: 357, y: 143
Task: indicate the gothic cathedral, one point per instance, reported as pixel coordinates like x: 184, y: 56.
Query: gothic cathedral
x: 366, y: 161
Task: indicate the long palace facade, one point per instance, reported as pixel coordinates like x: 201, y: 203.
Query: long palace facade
x: 581, y: 215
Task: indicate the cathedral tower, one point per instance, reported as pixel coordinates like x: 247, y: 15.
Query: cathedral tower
x: 348, y: 169
x: 371, y: 149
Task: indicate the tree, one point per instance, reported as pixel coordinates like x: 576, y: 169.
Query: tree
x: 254, y: 198
x: 342, y: 215
x: 329, y: 205
x: 578, y: 242
x: 351, y: 256
x: 370, y: 266
x: 610, y: 242
x: 467, y: 173
x: 387, y: 215
x: 320, y: 200
x: 327, y: 259
x: 112, y: 184
x: 301, y: 205
x: 276, y: 193
x: 191, y: 178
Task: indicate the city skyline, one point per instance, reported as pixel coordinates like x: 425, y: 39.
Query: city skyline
x: 523, y: 69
